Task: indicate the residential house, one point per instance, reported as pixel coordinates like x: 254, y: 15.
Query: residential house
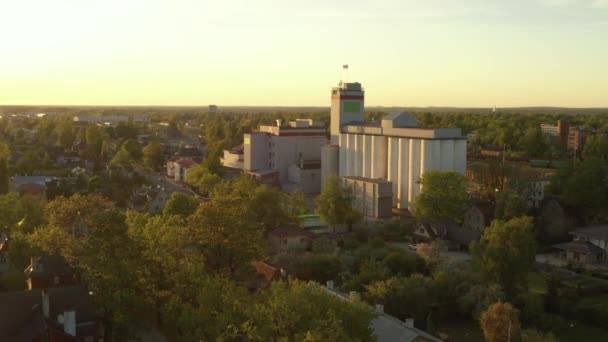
x: 190, y: 153
x: 181, y: 169
x: 478, y: 216
x: 589, y: 246
x: 49, y: 271
x: 428, y: 231
x: 581, y: 252
x: 234, y: 158
x: 289, y: 240
x: 385, y: 327
x: 16, y: 181
x: 266, y: 274
x: 56, y: 314
x: 32, y: 189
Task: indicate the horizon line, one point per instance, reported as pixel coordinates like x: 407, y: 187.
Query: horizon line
x: 301, y: 106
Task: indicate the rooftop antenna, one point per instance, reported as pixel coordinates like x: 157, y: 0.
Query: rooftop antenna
x: 344, y: 74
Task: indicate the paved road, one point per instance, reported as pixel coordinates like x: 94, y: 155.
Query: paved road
x: 162, y: 181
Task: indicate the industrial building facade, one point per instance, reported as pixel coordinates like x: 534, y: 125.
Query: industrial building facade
x: 292, y: 152
x: 394, y: 150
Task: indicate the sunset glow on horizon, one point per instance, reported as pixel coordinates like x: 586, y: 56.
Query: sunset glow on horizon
x: 476, y: 53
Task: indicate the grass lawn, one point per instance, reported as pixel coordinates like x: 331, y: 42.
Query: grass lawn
x: 537, y: 283
x: 581, y: 332
x: 594, y: 300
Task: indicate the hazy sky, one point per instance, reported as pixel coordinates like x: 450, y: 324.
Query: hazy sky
x: 284, y: 52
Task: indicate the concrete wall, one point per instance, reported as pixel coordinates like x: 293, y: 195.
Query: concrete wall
x: 307, y: 180
x: 402, y: 161
x: 371, y: 198
x: 330, y: 159
x: 256, y: 151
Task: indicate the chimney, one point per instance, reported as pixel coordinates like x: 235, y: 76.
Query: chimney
x: 379, y: 308
x: 45, y: 303
x: 330, y: 284
x: 409, y: 322
x: 69, y: 322
x: 353, y: 296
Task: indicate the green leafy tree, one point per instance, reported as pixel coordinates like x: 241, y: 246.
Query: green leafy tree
x: 295, y: 205
x: 153, y: 156
x: 444, y: 196
x: 111, y: 267
x: 403, y: 264
x: 66, y: 136
x: 596, y: 146
x: 319, y: 268
x: 4, y: 156
x: 533, y: 335
x: 335, y: 204
x: 402, y: 297
x: 479, y: 297
x: 226, y: 233
x: 509, y: 204
x: 180, y: 204
x: 69, y: 221
x: 584, y: 187
x: 203, y: 180
x: 506, y: 253
x: 302, y: 311
x: 133, y: 148
x: 94, y: 139
x: 266, y: 205
x: 500, y: 322
x: 534, y: 143
x: 94, y: 183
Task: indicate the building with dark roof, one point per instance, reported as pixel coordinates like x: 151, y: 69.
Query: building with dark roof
x: 56, y: 314
x: 290, y: 239
x: 590, y: 245
x: 49, y: 271
x: 385, y: 327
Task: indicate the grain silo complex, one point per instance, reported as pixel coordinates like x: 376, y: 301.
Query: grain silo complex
x: 370, y: 155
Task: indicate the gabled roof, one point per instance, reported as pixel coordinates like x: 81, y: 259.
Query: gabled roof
x: 387, y: 328
x: 268, y: 271
x: 487, y: 209
x: 48, y: 266
x: 186, y: 163
x: 580, y: 246
x: 596, y: 231
x: 240, y: 149
x: 31, y: 189
x: 19, y: 317
x: 188, y: 152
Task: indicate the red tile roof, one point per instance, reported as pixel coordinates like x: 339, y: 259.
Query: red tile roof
x: 31, y: 188
x: 268, y: 271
